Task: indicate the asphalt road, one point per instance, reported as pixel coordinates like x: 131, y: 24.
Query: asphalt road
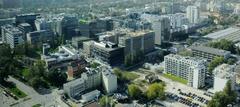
x: 46, y: 100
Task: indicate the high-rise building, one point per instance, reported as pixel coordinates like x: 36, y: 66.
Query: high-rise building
x: 27, y: 18
x: 41, y: 36
x: 189, y: 68
x: 109, y: 81
x: 136, y: 41
x: 43, y: 24
x: 108, y: 52
x: 193, y: 14
x: 161, y: 28
x: 100, y: 25
x: 25, y: 28
x: 12, y: 35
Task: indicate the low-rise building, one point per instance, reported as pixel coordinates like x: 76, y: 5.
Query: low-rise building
x: 189, y: 68
x: 91, y: 80
x: 90, y: 96
x: 76, y: 68
x: 222, y: 74
x: 65, y: 54
x: 209, y: 53
x: 75, y: 87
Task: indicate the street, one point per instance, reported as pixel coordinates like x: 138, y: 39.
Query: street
x: 46, y: 100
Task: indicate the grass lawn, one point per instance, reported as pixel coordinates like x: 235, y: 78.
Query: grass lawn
x: 175, y: 78
x: 17, y: 92
x: 37, y: 105
x: 130, y: 76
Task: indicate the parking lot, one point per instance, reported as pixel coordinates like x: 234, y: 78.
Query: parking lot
x: 184, y: 95
x: 5, y: 99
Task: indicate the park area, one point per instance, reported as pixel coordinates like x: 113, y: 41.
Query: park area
x: 175, y: 78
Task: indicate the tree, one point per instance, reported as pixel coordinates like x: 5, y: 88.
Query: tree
x: 134, y: 91
x: 185, y: 53
x: 106, y: 102
x: 38, y: 82
x: 6, y: 62
x: 225, y: 45
x: 156, y: 90
x: 223, y: 98
x: 214, y: 63
x: 57, y: 78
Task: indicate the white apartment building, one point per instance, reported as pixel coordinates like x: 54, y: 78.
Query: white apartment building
x: 189, y: 68
x: 109, y: 81
x: 91, y: 80
x: 193, y: 14
x: 12, y: 35
x: 222, y: 74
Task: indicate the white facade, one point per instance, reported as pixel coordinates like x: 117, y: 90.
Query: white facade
x: 193, y: 14
x: 109, y: 81
x: 90, y: 96
x: 12, y: 35
x: 43, y: 24
x: 91, y: 80
x: 222, y: 74
x: 75, y: 87
x: 191, y: 69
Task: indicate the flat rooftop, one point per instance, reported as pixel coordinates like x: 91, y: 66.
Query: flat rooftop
x: 231, y: 34
x: 185, y: 58
x: 224, y: 71
x: 210, y: 50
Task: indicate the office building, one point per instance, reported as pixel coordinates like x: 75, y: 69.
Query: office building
x: 41, y: 36
x: 107, y: 52
x: 27, y: 18
x: 222, y: 74
x: 189, y: 68
x: 100, y: 25
x: 68, y: 24
x: 209, y: 53
x: 25, y: 28
x: 43, y: 24
x: 161, y: 28
x: 136, y: 41
x: 193, y: 14
x: 12, y: 35
x: 77, y: 42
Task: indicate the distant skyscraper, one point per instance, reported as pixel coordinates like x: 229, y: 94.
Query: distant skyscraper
x: 161, y: 28
x: 193, y: 14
